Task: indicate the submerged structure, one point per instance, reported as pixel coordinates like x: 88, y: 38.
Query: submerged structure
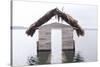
x: 44, y: 43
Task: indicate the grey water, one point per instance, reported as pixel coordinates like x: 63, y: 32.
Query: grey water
x: 24, y: 47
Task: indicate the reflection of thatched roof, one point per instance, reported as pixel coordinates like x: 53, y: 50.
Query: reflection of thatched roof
x: 61, y: 15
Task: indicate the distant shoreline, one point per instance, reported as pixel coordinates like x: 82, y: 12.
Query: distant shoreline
x: 22, y: 28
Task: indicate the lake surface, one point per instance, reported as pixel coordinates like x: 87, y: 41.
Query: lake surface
x: 25, y: 46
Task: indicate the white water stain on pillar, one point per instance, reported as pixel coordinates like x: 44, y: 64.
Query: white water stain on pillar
x: 56, y: 46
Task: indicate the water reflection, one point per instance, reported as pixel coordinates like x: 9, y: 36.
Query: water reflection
x: 44, y: 57
x: 24, y: 46
x: 78, y: 58
x: 68, y: 56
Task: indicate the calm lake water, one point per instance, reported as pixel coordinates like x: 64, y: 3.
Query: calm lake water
x: 25, y: 46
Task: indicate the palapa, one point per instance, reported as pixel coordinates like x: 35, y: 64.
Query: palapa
x: 61, y: 15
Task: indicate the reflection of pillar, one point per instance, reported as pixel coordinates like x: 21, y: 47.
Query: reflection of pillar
x: 69, y: 56
x: 43, y: 57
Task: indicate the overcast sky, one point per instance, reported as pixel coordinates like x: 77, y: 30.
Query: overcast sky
x: 26, y: 13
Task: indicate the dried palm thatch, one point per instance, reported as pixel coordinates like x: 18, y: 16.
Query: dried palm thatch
x: 61, y: 15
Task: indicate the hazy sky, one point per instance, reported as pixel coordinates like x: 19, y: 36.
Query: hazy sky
x: 26, y: 13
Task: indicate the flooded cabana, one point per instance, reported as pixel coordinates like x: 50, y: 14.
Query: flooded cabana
x: 65, y: 37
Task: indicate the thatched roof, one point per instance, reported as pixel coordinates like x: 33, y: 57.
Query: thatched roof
x: 61, y: 15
